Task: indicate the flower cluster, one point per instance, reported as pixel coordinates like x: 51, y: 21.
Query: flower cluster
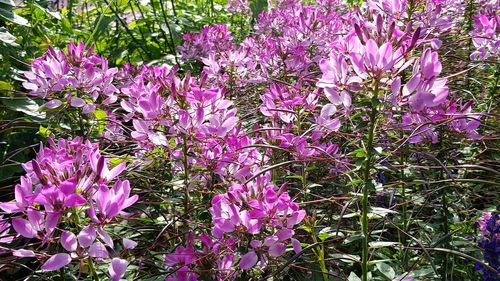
x: 486, y: 37
x: 257, y: 217
x: 68, y: 182
x: 76, y: 78
x: 210, y: 40
x: 490, y: 244
x: 238, y: 6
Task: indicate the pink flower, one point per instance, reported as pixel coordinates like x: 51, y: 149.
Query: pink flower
x: 111, y: 202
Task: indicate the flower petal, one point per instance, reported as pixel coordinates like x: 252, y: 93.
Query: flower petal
x: 117, y: 268
x: 129, y: 244
x: 87, y: 236
x: 68, y: 241
x: 248, y: 260
x: 22, y: 253
x: 56, y: 262
x: 23, y: 227
x: 98, y: 250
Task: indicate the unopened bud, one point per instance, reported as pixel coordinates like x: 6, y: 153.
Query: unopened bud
x: 38, y: 171
x: 100, y: 166
x: 414, y: 38
x: 357, y: 29
x: 379, y: 24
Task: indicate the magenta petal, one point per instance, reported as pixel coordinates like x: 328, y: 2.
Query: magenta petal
x: 296, y: 218
x: 56, y: 262
x: 277, y: 249
x: 129, y: 201
x: 68, y: 241
x: 328, y: 110
x: 51, y: 221
x: 68, y: 187
x: 248, y: 260
x: 128, y: 243
x: 10, y: 207
x: 105, y: 237
x: 98, y: 250
x: 77, y: 102
x: 87, y: 236
x: 74, y: 200
x: 53, y: 104
x: 103, y: 199
x: 22, y: 253
x: 285, y: 234
x: 88, y: 108
x: 36, y: 219
x: 116, y: 171
x: 117, y: 268
x: 296, y: 246
x: 23, y: 227
x: 371, y: 52
x: 30, y: 86
x: 270, y: 240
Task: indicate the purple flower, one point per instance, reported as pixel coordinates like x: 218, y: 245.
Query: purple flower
x: 110, y: 202
x: 490, y: 244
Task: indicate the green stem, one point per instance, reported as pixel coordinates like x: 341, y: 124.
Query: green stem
x: 319, y: 252
x: 93, y: 270
x: 172, y: 46
x: 302, y: 165
x: 446, y: 230
x: 404, y: 210
x: 368, y: 184
x: 186, y: 174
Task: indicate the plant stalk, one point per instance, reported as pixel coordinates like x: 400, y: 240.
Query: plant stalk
x: 367, y: 185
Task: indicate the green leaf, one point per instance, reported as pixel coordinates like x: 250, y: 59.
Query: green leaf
x: 353, y: 277
x: 7, y: 38
x: 378, y: 212
x: 55, y: 15
x: 423, y: 272
x: 5, y: 85
x: 346, y: 257
x: 360, y: 153
x: 352, y: 239
x: 257, y: 7
x: 44, y: 131
x: 66, y: 25
x: 7, y: 2
x: 102, y: 26
x: 328, y: 232
x: 102, y: 120
x: 382, y: 244
x: 386, y: 270
x: 114, y: 161
x: 7, y: 14
x: 24, y: 105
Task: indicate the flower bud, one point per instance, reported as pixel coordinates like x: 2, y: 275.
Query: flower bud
x: 379, y: 24
x: 357, y: 29
x: 414, y: 38
x: 100, y: 166
x: 38, y: 171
